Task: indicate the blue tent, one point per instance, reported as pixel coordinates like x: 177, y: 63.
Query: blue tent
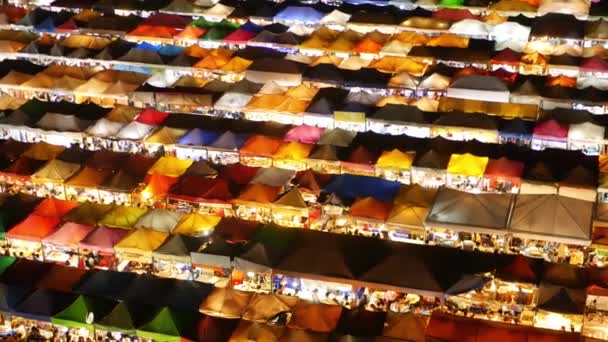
x: 516, y: 129
x: 230, y: 141
x: 47, y: 25
x: 170, y: 50
x: 351, y: 187
x: 147, y: 46
x: 11, y: 296
x: 251, y: 27
x: 300, y: 14
x: 199, y: 137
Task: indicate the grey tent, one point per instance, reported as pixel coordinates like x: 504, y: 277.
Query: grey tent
x: 486, y: 213
x: 552, y: 217
x: 479, y: 87
x: 561, y: 299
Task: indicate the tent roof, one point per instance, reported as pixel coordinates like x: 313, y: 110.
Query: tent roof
x: 159, y: 219
x: 504, y: 167
x: 463, y: 209
x: 395, y: 159
x: 467, y: 165
x: 33, y: 228
x: 315, y: 317
x: 53, y: 207
x: 561, y: 299
x: 292, y: 198
x: 170, y: 166
x: 11, y: 296
x: 142, y: 241
x: 55, y: 171
x: 105, y: 284
x: 166, y: 325
x: 68, y: 234
x: 369, y: 207
x: 264, y: 307
x: 261, y: 145
x: 225, y: 302
x: 351, y: 186
x: 180, y: 246
x: 124, y: 317
x: 43, y: 303
x: 122, y: 216
x: 76, y: 315
x: 259, y: 193
x: 553, y: 217
x: 196, y: 224
x: 103, y: 239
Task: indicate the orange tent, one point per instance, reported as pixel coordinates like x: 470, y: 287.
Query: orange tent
x: 367, y: 45
x: 33, y: 228
x: 159, y: 185
x: 212, y: 62
x: 154, y: 31
x: 261, y: 145
x: 53, y: 207
x: 191, y: 32
x: 259, y: 193
x: 370, y: 207
x: 196, y: 51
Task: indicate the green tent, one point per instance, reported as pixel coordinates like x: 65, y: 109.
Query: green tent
x: 167, y: 325
x: 206, y: 24
x: 451, y: 3
x: 124, y: 318
x: 81, y: 313
x: 217, y: 33
x: 6, y: 262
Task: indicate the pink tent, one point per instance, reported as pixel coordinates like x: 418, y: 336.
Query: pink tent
x: 103, y: 239
x: 304, y: 134
x: 594, y: 64
x: 551, y: 129
x: 69, y: 234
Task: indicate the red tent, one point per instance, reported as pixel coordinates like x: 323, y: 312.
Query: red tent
x: 238, y: 173
x: 33, y: 228
x: 198, y: 188
x: 152, y: 117
x: 551, y: 129
x: 54, y: 207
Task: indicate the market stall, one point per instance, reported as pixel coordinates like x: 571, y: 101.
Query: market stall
x: 62, y: 245
x: 429, y: 169
x: 395, y: 165
x: 83, y: 185
x: 502, y: 175
x: 410, y: 208
x: 560, y: 308
x: 195, y: 224
x: 595, y: 323
x: 173, y: 260
x: 50, y: 179
x: 213, y: 262
x: 225, y: 303
x: 464, y: 171
x: 201, y: 194
x: 290, y: 210
x: 76, y: 320
x: 134, y: 252
x: 25, y: 239
x: 96, y: 251
x: 255, y: 201
x: 470, y: 221
x: 122, y: 321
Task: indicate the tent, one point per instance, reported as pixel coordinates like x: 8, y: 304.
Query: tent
x: 360, y: 322
x: 170, y: 166
x: 64, y: 240
x: 81, y: 313
x: 11, y: 296
x: 87, y: 213
x: 304, y: 134
x: 178, y: 248
x: 159, y: 219
x: 467, y: 165
x: 124, y: 318
x: 351, y: 186
x: 273, y: 176
x: 264, y: 307
x: 485, y: 213
x: 292, y: 150
x: 42, y: 304
x: 201, y: 189
x: 370, y: 208
x: 195, y: 224
x: 561, y: 299
x: 299, y: 14
x: 33, y: 228
x: 122, y: 217
x: 168, y: 325
x: 260, y: 145
x: 395, y: 159
x: 504, y: 169
x: 103, y: 239
x: 55, y: 171
x: 259, y: 194
x: 552, y: 218
x: 479, y: 87
x: 53, y: 207
x: 140, y: 243
x: 315, y: 317
x: 248, y: 330
x: 225, y: 303
x: 408, y: 326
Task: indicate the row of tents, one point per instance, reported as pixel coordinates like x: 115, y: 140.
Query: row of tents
x: 167, y: 310
x: 247, y: 246
x: 363, y: 17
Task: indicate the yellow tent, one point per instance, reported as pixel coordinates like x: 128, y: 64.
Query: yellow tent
x: 43, y: 151
x: 395, y: 159
x: 236, y: 65
x: 55, y: 171
x: 83, y: 41
x: 123, y: 114
x: 122, y: 217
x: 407, y: 215
x: 9, y: 102
x: 293, y: 150
x: 196, y: 224
x: 15, y: 78
x: 141, y: 241
x: 81, y: 73
x: 166, y: 136
x: 467, y: 165
x: 170, y: 166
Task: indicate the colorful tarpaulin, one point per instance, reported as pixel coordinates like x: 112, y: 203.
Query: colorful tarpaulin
x: 196, y: 224
x: 141, y: 242
x: 81, y: 313
x: 395, y: 159
x: 371, y: 208
x: 170, y: 166
x: 103, y: 239
x: 467, y: 165
x: 53, y: 207
x: 33, y: 228
x: 122, y: 217
x: 167, y: 325
x: 69, y: 234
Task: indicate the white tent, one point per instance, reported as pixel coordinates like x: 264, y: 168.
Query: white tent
x: 159, y: 219
x: 135, y: 131
x: 105, y: 128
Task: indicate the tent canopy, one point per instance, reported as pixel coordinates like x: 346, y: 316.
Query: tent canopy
x: 55, y: 171
x: 42, y: 304
x: 552, y: 217
x: 369, y: 207
x: 467, y: 165
x: 225, y: 302
x: 195, y: 224
x: 33, y: 228
x: 141, y: 241
x: 53, y: 207
x: 79, y: 313
x: 167, y: 325
x: 464, y: 210
x: 395, y: 159
x: 504, y: 168
x: 103, y: 239
x: 315, y: 317
x: 122, y: 216
x: 69, y: 234
x: 159, y: 219
x: 179, y: 247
